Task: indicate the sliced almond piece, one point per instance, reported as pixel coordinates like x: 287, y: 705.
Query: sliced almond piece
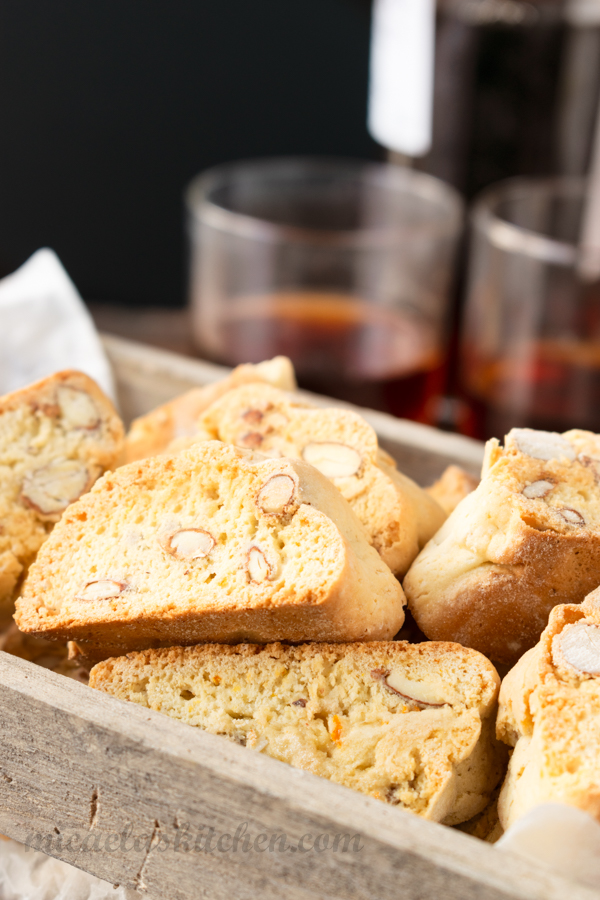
x: 571, y: 516
x: 276, y: 495
x: 252, y: 440
x: 253, y: 416
x: 332, y: 459
x: 420, y: 693
x: 189, y: 543
x: 541, y: 444
x: 580, y: 648
x: 257, y: 566
x: 52, y: 488
x: 77, y: 408
x: 104, y: 589
x: 537, y: 489
x: 591, y: 462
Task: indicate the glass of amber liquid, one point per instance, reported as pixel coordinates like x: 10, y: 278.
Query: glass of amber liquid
x: 531, y: 334
x: 344, y: 266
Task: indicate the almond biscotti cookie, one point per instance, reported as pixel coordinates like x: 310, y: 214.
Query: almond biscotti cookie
x: 550, y: 713
x: 399, y: 517
x: 409, y: 724
x: 453, y: 485
x: 525, y: 540
x: 212, y: 544
x: 151, y: 434
x: 56, y: 437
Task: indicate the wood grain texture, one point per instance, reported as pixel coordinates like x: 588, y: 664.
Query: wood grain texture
x: 77, y: 762
x: 121, y: 791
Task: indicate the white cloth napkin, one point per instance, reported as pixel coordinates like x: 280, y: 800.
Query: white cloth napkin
x: 30, y: 875
x: 559, y: 837
x: 44, y: 327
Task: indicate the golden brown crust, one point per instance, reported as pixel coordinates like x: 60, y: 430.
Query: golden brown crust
x: 106, y: 578
x: 151, y: 434
x: 506, y: 557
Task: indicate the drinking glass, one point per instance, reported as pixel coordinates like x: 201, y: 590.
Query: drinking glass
x: 531, y: 339
x: 344, y: 266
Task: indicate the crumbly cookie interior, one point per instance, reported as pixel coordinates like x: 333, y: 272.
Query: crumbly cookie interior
x: 47, y: 460
x: 329, y: 709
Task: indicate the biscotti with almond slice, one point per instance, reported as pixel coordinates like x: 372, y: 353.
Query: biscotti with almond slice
x: 151, y: 434
x: 212, y: 544
x: 550, y: 713
x: 409, y: 724
x: 398, y: 515
x: 57, y: 437
x: 527, y: 539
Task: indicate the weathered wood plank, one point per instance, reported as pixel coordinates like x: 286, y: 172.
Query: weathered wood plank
x: 77, y: 762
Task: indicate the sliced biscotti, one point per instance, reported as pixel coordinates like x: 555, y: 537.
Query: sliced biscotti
x: 409, y: 724
x: 453, y: 485
x: 550, y: 713
x: 525, y: 540
x: 56, y: 437
x: 398, y: 515
x: 212, y: 544
x: 151, y: 434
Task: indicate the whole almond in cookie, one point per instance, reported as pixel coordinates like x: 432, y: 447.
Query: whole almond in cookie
x: 549, y: 712
x: 336, y: 711
x: 180, y: 549
x: 398, y: 516
x: 56, y: 438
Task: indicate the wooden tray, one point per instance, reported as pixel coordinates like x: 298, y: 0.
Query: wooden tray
x: 145, y: 801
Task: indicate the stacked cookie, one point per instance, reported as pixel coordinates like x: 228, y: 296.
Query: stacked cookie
x: 265, y: 521
x: 505, y: 575
x: 550, y: 713
x: 56, y: 438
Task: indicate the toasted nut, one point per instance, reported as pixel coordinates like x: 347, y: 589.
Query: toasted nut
x: 257, y: 566
x: 252, y: 440
x: 332, y: 459
x: 276, y: 494
x: 104, y: 589
x: 591, y: 462
x: 52, y: 410
x: 52, y: 488
x: 571, y: 516
x: 188, y: 543
x: 580, y: 648
x: 77, y: 408
x: 537, y: 489
x: 542, y: 444
x: 253, y: 416
x: 421, y: 693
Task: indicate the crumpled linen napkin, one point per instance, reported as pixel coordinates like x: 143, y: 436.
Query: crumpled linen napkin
x: 558, y: 837
x: 31, y: 875
x: 44, y: 327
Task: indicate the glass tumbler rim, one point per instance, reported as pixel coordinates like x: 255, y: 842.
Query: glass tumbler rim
x: 508, y: 236
x: 206, y: 211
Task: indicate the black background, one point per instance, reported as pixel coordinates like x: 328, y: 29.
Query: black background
x: 109, y: 107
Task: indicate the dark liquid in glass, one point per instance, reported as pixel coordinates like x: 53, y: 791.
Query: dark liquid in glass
x: 341, y: 347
